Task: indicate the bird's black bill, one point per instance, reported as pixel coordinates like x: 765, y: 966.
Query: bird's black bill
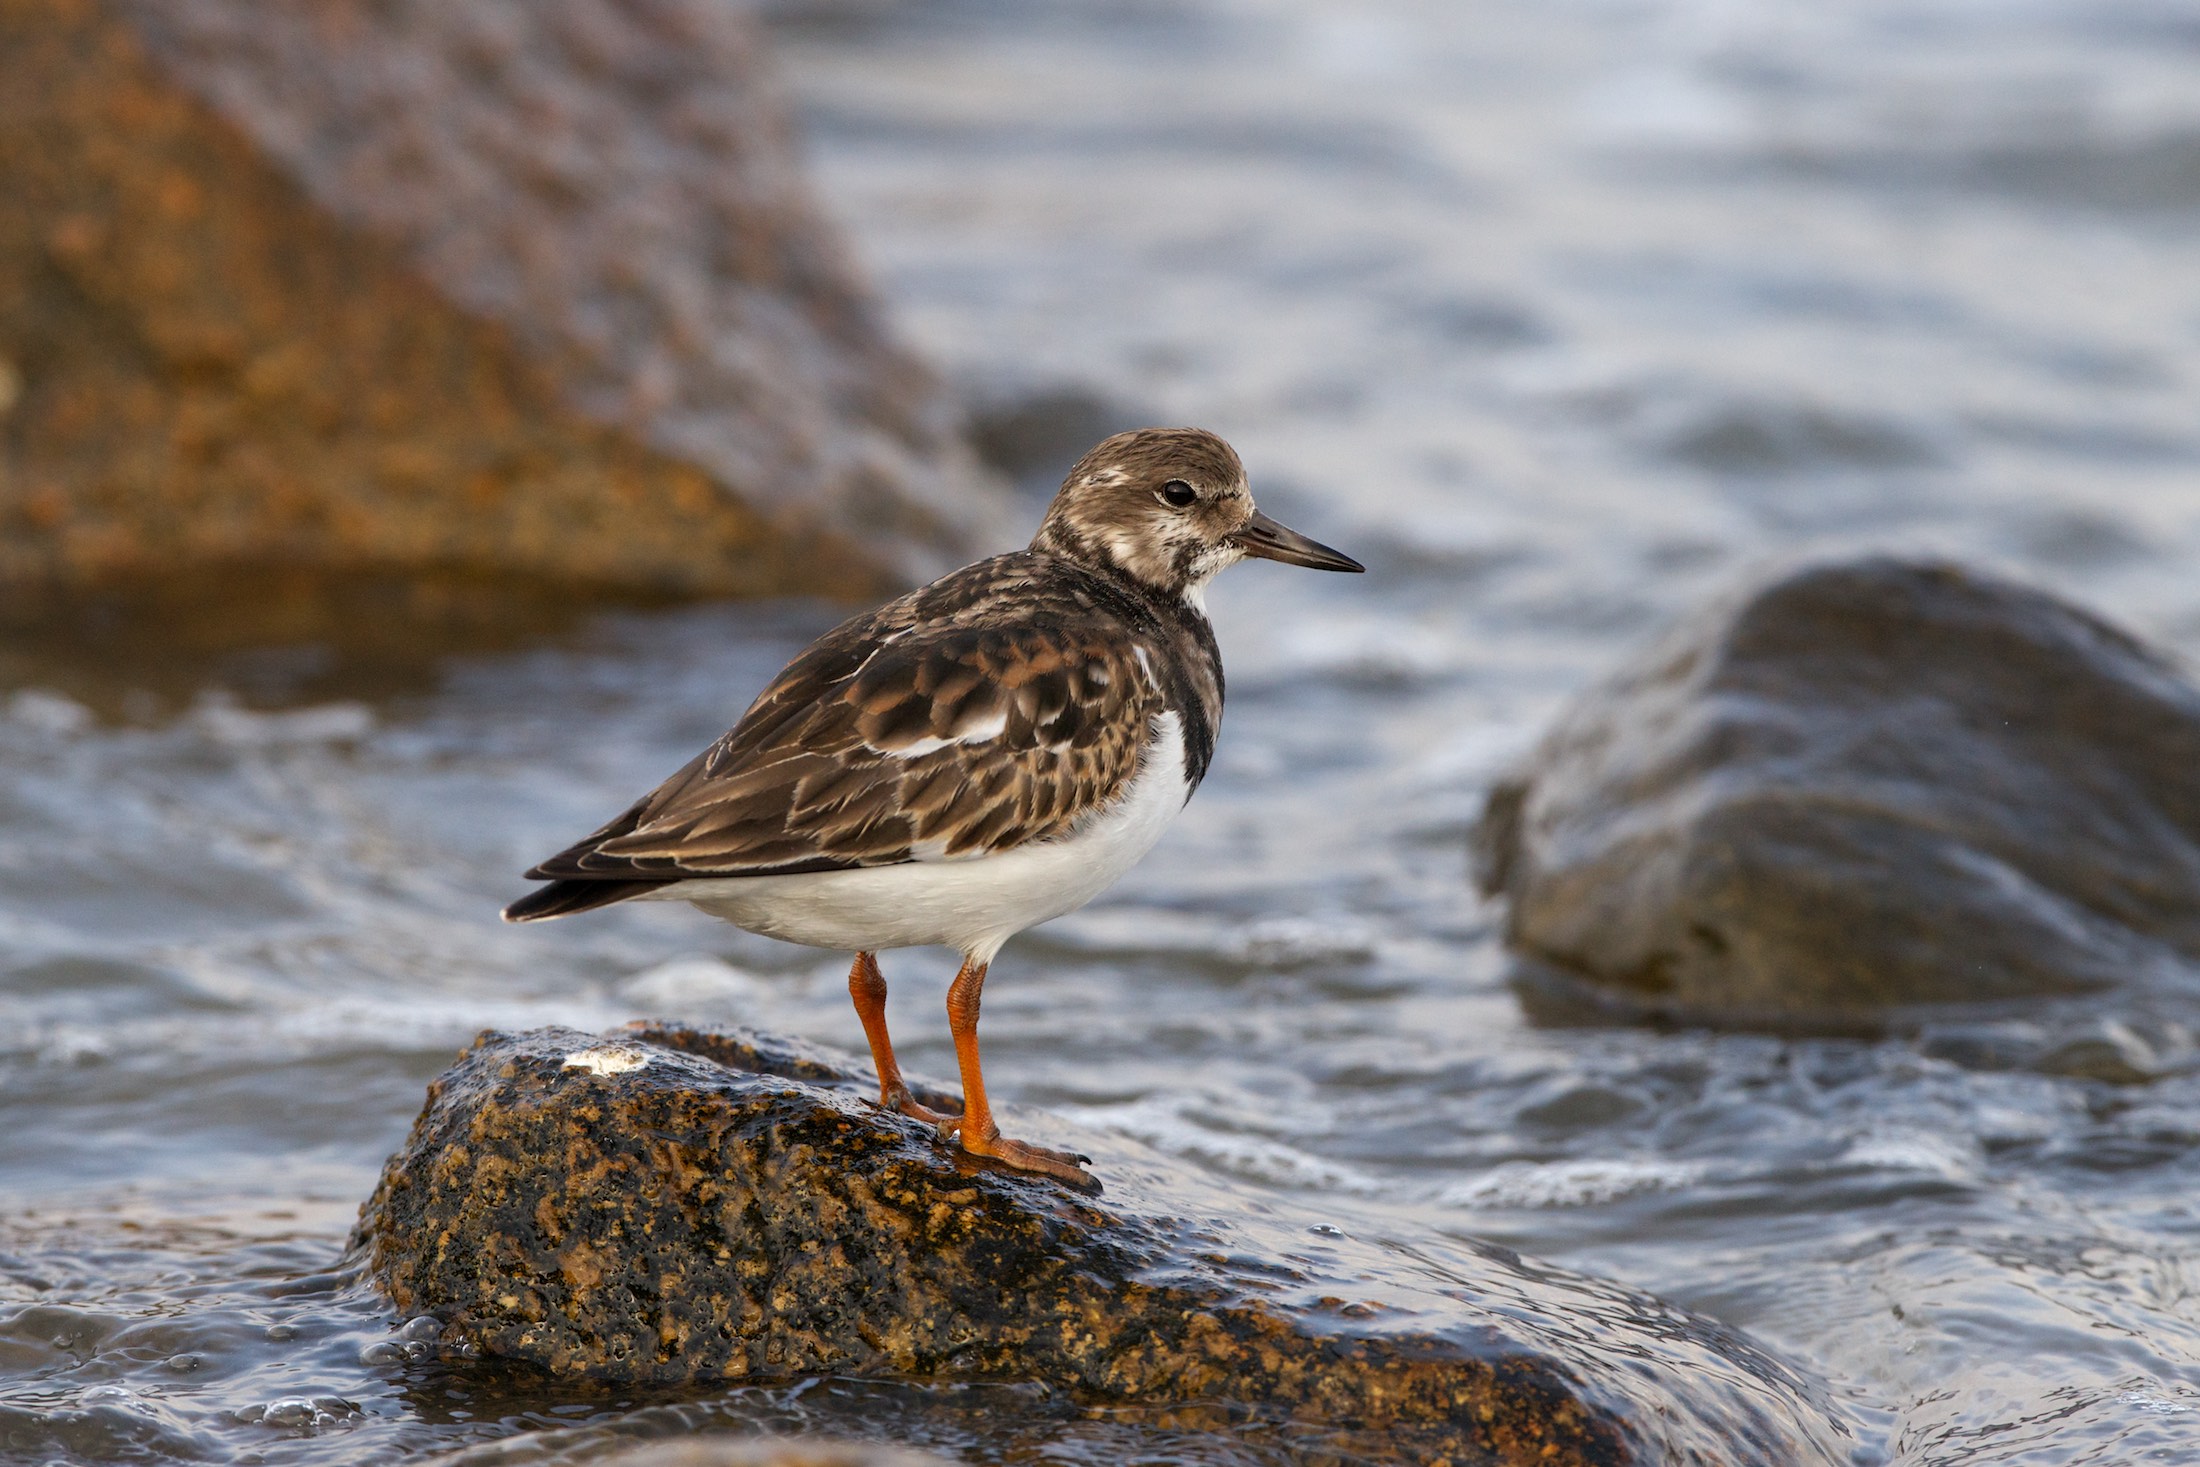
x: 1264, y: 538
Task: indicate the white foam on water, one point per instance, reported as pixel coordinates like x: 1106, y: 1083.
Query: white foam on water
x: 1161, y: 1121
x: 225, y: 722
x: 1586, y: 1182
x: 48, y: 712
x: 1903, y: 1150
x: 1294, y: 942
x: 693, y: 981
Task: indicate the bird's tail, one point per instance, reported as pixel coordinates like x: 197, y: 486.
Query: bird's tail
x: 563, y: 898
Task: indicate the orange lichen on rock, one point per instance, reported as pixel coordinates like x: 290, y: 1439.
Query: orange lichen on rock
x: 735, y: 1209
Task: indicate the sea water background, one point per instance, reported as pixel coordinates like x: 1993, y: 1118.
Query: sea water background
x: 1555, y: 313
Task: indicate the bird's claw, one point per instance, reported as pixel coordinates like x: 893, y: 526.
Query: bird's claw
x: 1023, y: 1156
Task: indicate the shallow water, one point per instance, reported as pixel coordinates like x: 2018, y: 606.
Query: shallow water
x: 1556, y: 315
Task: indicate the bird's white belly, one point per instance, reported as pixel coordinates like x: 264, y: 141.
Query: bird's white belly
x: 973, y: 906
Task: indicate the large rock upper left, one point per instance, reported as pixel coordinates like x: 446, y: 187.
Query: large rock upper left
x: 525, y: 287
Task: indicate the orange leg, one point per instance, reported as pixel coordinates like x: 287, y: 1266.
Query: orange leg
x: 980, y: 1136
x: 867, y: 986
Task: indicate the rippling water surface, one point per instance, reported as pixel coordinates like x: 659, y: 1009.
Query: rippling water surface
x: 1556, y: 314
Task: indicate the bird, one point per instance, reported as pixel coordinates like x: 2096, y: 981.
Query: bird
x: 973, y: 758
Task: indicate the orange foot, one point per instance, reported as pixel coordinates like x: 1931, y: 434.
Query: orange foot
x: 899, y: 1098
x: 1024, y: 1156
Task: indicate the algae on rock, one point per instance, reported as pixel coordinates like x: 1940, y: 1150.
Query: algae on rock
x: 506, y: 289
x: 662, y: 1205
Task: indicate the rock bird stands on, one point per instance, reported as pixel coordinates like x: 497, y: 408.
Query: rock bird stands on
x: 969, y: 760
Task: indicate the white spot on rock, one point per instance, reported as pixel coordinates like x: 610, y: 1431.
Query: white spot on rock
x: 607, y: 1059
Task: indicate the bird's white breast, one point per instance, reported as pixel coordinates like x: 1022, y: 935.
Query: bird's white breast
x: 972, y: 905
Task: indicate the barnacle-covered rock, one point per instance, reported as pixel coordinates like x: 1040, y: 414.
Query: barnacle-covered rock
x: 559, y: 1448
x: 662, y: 1205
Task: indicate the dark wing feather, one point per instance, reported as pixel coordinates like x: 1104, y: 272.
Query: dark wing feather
x: 905, y: 735
x: 563, y: 898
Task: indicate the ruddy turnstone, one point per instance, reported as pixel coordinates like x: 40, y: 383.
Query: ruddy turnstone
x: 969, y: 760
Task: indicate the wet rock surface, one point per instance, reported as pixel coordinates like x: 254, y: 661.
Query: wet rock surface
x: 508, y: 289
x: 666, y: 1206
x: 1856, y: 787
x: 694, y: 1451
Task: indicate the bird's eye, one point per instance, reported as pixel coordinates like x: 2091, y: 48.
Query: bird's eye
x: 1176, y: 493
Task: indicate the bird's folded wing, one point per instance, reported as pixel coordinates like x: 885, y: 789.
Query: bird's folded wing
x: 930, y: 745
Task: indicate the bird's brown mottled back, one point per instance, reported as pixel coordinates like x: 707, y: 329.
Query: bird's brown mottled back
x: 997, y: 706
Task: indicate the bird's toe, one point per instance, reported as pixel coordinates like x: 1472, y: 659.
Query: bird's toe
x: 1023, y: 1156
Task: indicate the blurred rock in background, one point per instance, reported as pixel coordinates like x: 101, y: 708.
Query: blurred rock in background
x: 1034, y: 436
x: 1857, y: 786
x: 499, y: 294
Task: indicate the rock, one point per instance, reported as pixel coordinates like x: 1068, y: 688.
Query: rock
x: 687, y: 1451
x: 1859, y: 786
x: 1034, y: 436
x: 503, y: 289
x: 662, y: 1205
x: 707, y: 1452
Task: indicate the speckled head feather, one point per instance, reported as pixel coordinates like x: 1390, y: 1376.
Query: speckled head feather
x: 1124, y: 507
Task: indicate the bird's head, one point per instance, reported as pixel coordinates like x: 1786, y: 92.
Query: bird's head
x: 1169, y: 508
